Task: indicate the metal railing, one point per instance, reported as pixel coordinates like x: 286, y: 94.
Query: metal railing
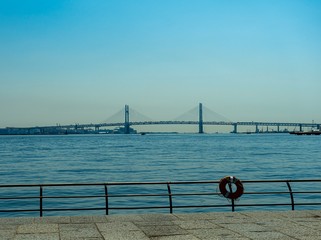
x: 166, y: 196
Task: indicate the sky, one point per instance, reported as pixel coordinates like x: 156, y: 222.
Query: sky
x: 81, y: 61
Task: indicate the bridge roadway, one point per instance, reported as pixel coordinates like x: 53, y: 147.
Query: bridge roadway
x: 142, y: 123
x: 220, y: 123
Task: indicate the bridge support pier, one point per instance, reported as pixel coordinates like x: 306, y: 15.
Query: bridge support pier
x: 235, y: 128
x: 301, y: 128
x: 257, y: 128
x: 200, y: 119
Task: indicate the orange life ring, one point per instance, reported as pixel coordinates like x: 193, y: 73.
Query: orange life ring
x: 230, y: 194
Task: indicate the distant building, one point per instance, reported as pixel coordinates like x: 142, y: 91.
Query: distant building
x: 121, y: 130
x: 3, y: 131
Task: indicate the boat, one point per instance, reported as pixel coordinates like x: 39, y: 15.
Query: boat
x: 306, y: 133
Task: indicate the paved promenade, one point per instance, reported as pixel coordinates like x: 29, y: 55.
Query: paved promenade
x: 227, y: 225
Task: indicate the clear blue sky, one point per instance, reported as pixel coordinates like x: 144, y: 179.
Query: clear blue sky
x: 80, y: 61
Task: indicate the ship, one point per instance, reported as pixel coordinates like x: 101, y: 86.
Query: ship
x: 306, y: 133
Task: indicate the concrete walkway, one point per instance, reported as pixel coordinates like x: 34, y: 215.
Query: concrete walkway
x: 240, y: 225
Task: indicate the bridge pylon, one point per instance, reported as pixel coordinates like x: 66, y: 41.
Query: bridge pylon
x: 126, y: 123
x: 200, y: 119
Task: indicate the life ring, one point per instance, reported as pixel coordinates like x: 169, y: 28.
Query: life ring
x: 230, y: 194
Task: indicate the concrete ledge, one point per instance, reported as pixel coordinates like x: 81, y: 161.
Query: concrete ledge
x: 239, y: 225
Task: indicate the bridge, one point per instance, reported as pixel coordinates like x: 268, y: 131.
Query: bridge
x: 126, y: 124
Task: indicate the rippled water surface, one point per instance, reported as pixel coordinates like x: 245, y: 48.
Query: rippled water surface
x: 176, y: 157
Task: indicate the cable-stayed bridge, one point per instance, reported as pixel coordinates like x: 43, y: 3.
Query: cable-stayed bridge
x: 198, y: 116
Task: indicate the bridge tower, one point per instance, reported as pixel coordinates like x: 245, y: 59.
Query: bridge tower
x: 200, y: 119
x: 126, y: 124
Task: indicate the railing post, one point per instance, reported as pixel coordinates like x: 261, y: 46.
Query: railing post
x: 106, y: 200
x: 232, y: 200
x: 170, y: 198
x: 40, y: 201
x: 233, y: 205
x: 291, y: 194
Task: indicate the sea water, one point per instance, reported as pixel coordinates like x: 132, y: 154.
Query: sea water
x: 155, y: 157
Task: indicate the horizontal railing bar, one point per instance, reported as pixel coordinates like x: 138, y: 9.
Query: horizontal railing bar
x: 285, y: 180
x: 153, y: 183
x: 166, y: 207
x: 178, y: 206
x: 18, y: 198
x: 110, y: 195
x: 268, y: 193
x: 271, y: 193
x: 71, y: 209
x: 149, y: 195
x: 274, y: 204
x: 161, y: 195
x: 304, y: 204
x: 71, y: 197
x: 157, y: 207
x: 212, y: 206
x: 102, y: 184
x: 111, y: 208
x: 19, y: 210
x: 152, y: 195
x: 80, y: 209
x: 220, y: 206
